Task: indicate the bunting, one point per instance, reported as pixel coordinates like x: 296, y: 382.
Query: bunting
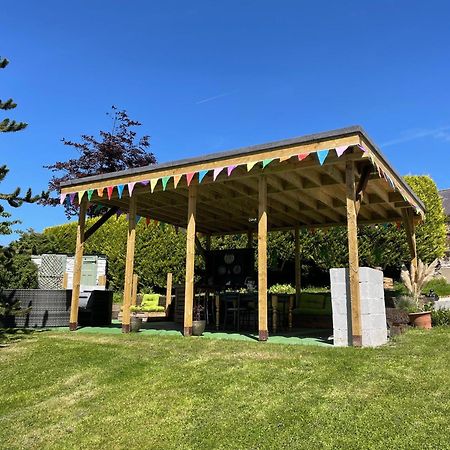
x: 340, y: 150
x: 109, y: 190
x: 216, y: 172
x: 100, y: 192
x: 120, y: 188
x: 266, y: 162
x: 72, y: 197
x: 302, y: 156
x: 250, y: 165
x: 201, y: 175
x: 147, y: 221
x: 89, y: 193
x: 144, y: 183
x: 132, y: 184
x: 230, y: 169
x: 322, y: 156
x: 62, y: 197
x: 80, y: 195
x: 153, y: 183
x: 164, y: 181
x: 189, y: 177
x: 176, y: 180
x: 285, y: 158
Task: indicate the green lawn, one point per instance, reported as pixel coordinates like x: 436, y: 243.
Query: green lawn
x: 75, y: 390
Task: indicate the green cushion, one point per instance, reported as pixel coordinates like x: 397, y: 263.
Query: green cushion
x: 150, y: 302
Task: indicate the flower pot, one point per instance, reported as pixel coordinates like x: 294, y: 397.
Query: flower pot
x: 135, y: 324
x: 198, y: 327
x: 421, y: 319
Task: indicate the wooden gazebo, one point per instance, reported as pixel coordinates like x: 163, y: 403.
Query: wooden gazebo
x: 328, y: 179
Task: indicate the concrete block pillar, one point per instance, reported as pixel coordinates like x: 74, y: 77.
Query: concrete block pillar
x: 373, y: 313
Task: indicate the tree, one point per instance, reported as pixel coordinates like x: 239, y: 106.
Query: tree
x: 14, y: 198
x: 115, y: 150
x: 8, y: 125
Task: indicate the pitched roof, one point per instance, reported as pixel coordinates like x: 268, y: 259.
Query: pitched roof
x: 445, y: 194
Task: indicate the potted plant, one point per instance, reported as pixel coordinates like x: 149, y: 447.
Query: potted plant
x: 135, y: 319
x: 198, y: 324
x: 414, y: 281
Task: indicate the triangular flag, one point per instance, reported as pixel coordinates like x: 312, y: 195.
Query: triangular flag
x: 138, y: 218
x: 250, y: 165
x: 147, y: 221
x: 153, y: 183
x: 98, y: 208
x: 322, y: 155
x: 285, y: 158
x: 266, y: 162
x: 120, y: 190
x: 302, y: 156
x: 109, y: 190
x: 189, y: 177
x: 118, y: 213
x: 216, y: 172
x: 230, y: 169
x: 89, y: 193
x: 131, y: 187
x: 340, y: 150
x: 80, y: 195
x: 165, y: 180
x: 176, y: 180
x: 72, y: 197
x: 201, y: 175
x: 144, y: 183
x: 62, y: 197
x: 100, y: 192
x: 362, y: 147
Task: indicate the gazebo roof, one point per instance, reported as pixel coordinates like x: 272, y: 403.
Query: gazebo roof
x: 306, y: 185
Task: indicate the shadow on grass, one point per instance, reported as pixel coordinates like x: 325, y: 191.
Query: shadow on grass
x: 9, y: 335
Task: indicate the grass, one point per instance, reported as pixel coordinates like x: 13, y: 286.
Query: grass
x: 88, y: 391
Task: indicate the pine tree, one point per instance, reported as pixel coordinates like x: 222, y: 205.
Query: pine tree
x: 14, y: 199
x: 8, y: 125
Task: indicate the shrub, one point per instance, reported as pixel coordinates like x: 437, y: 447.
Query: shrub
x: 440, y: 317
x: 281, y: 289
x: 438, y: 285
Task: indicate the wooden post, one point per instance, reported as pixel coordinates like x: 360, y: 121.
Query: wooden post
x: 65, y: 280
x: 78, y: 265
x: 410, y: 228
x: 169, y: 290
x: 129, y: 265
x: 190, y: 259
x: 134, y: 290
x: 262, y: 259
x: 352, y: 230
x: 298, y: 267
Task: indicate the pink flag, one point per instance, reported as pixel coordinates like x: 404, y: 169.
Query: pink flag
x: 131, y: 187
x: 216, y: 172
x: 62, y: 198
x: 189, y: 177
x: 230, y: 169
x: 340, y: 150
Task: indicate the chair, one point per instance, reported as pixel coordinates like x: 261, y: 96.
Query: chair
x: 230, y: 302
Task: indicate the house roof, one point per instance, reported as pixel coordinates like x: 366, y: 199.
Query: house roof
x: 445, y: 194
x: 307, y: 192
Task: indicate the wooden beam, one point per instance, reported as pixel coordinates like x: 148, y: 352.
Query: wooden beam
x: 298, y: 267
x: 129, y: 265
x: 352, y: 230
x: 190, y: 260
x: 78, y: 264
x: 410, y: 229
x: 92, y: 229
x: 262, y: 260
x: 362, y: 184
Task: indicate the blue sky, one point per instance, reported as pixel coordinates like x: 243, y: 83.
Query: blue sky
x: 204, y: 76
